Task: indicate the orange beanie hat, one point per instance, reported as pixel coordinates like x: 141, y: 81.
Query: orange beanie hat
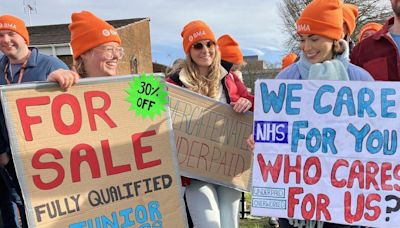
x: 322, y: 17
x: 350, y: 14
x: 370, y: 26
x: 89, y: 31
x: 288, y: 59
x: 230, y: 50
x: 195, y: 31
x: 8, y: 22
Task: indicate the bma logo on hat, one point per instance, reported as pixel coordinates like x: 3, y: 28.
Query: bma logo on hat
x: 196, y: 34
x: 303, y: 28
x: 8, y: 25
x: 108, y: 32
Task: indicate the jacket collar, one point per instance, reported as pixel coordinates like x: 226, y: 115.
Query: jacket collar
x: 385, y: 29
x: 32, y: 61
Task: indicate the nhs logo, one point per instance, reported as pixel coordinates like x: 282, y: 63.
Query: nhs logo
x: 271, y: 131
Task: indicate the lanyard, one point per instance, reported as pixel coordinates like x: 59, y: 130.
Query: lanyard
x: 21, y: 72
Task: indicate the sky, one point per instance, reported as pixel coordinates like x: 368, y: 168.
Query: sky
x: 255, y: 24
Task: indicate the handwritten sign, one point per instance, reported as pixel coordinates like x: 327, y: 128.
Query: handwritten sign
x: 84, y: 160
x: 327, y: 151
x: 211, y: 139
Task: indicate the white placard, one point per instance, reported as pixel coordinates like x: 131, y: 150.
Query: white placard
x: 327, y: 150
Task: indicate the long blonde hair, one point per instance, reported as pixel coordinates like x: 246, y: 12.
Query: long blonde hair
x: 206, y: 85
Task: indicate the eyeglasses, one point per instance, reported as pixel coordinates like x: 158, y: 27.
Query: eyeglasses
x: 200, y: 45
x: 111, y: 52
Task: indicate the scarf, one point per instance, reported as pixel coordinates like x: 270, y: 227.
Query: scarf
x: 335, y: 69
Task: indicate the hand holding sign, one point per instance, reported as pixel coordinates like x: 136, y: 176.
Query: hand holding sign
x: 242, y: 105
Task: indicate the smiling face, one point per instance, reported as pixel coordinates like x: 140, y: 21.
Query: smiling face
x: 13, y: 46
x: 103, y: 60
x: 203, y: 53
x: 316, y: 49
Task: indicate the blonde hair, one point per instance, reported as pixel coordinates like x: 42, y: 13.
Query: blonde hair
x: 79, y: 67
x: 207, y: 85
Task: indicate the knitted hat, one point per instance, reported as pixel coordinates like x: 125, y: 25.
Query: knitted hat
x: 230, y: 50
x: 8, y: 22
x: 322, y: 17
x: 196, y: 31
x: 288, y: 59
x: 89, y: 31
x: 350, y: 14
x: 369, y: 26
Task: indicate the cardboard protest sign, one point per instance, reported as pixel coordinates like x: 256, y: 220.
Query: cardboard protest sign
x: 84, y: 160
x: 327, y: 150
x: 211, y: 139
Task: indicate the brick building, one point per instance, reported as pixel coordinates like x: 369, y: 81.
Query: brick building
x: 256, y: 69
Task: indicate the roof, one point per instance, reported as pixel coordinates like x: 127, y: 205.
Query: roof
x: 59, y: 34
x: 251, y: 57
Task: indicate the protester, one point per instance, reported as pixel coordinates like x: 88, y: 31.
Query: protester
x: 288, y: 60
x: 320, y: 42
x: 21, y: 64
x: 379, y: 54
x: 350, y: 14
x: 210, y: 205
x: 231, y: 55
x: 96, y: 45
x: 324, y: 56
x: 368, y: 30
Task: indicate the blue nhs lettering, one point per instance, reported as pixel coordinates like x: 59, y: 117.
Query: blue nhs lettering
x: 271, y: 131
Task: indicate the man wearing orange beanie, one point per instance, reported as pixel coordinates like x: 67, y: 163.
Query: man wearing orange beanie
x: 380, y: 53
x: 21, y: 64
x: 350, y: 14
x: 368, y: 30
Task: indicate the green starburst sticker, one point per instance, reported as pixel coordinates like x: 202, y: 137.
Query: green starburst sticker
x: 148, y: 95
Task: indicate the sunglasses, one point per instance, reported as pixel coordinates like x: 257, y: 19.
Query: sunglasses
x: 199, y: 45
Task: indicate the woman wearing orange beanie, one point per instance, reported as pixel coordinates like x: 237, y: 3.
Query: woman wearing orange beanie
x: 210, y: 205
x: 368, y: 30
x: 96, y: 45
x: 231, y: 55
x: 323, y: 56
